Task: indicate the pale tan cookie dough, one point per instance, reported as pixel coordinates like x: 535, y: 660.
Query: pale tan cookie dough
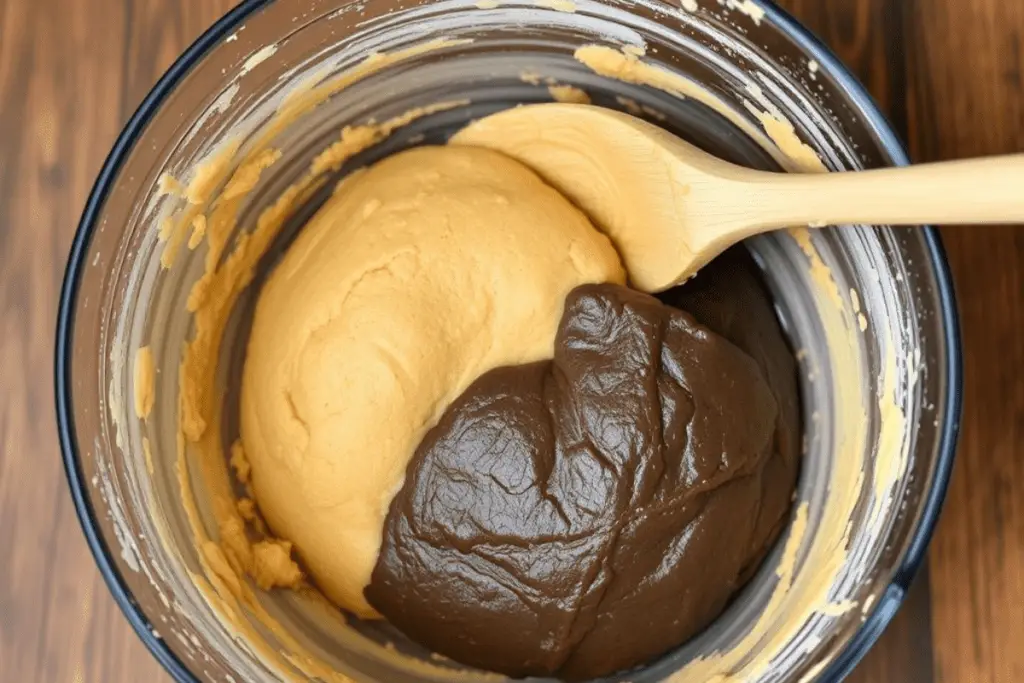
x: 420, y: 274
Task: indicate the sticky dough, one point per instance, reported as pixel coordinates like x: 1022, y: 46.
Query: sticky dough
x: 428, y: 269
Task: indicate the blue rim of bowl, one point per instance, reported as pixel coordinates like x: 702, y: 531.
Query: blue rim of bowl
x: 875, y: 623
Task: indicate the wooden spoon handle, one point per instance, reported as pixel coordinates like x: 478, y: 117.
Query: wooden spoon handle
x: 971, y: 191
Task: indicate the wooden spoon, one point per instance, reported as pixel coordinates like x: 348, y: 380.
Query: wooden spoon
x: 670, y: 207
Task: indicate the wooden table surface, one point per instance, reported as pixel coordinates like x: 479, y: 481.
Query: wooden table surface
x: 950, y: 75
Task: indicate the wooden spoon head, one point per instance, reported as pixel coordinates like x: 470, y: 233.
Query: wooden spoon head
x: 640, y: 185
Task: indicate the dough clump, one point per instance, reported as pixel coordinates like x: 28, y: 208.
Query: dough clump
x: 419, y: 275
x: 582, y: 515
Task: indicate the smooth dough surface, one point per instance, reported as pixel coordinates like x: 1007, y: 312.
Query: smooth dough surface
x: 429, y: 269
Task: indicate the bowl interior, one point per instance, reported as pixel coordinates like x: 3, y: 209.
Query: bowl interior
x: 875, y: 393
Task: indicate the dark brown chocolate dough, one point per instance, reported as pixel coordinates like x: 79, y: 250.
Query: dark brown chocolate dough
x: 728, y: 297
x: 583, y: 515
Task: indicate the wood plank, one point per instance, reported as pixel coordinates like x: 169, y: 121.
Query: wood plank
x: 977, y: 557
x: 56, y: 125
x: 967, y: 99
x: 64, y: 99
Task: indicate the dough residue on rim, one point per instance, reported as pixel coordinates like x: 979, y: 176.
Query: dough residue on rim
x: 748, y: 7
x: 144, y: 384
x: 568, y: 93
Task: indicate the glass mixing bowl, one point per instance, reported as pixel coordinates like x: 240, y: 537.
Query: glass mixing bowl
x: 905, y: 361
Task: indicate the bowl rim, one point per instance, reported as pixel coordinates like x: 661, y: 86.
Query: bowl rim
x: 885, y: 608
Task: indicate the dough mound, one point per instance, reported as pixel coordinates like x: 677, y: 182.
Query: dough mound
x: 582, y: 515
x: 419, y: 275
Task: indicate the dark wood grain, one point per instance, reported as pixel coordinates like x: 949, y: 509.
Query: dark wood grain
x: 947, y: 72
x: 59, y: 95
x: 968, y: 100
